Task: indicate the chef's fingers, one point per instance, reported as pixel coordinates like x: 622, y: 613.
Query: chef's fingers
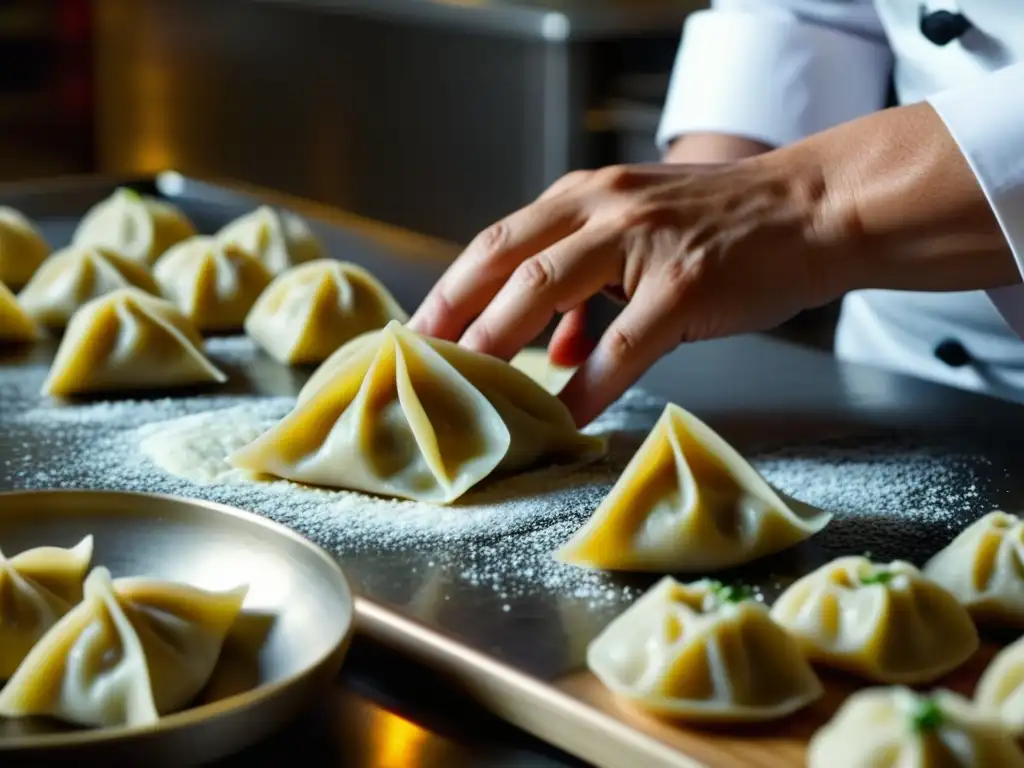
x: 478, y: 274
x: 555, y: 280
x: 565, y: 183
x: 570, y: 345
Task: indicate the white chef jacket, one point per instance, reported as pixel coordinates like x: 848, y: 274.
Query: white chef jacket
x: 779, y: 70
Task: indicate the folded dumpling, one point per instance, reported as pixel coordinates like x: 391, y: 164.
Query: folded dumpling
x: 1001, y: 687
x: 311, y: 310
x: 22, y: 248
x: 536, y: 363
x: 397, y: 414
x: 703, y: 651
x: 128, y: 340
x: 278, y: 238
x: 76, y: 275
x: 900, y: 728
x: 887, y: 623
x: 37, y: 587
x: 214, y: 285
x: 984, y: 568
x: 688, y: 502
x: 138, y: 227
x: 132, y: 651
x: 16, y: 325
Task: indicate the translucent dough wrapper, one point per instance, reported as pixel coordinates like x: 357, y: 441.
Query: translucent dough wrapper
x: 279, y: 239
x: 22, y: 248
x: 16, y: 325
x: 1001, y: 687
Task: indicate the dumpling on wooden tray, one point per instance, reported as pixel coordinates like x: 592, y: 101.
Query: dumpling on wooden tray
x: 397, y: 414
x: 22, y: 248
x: 133, y: 650
x: 16, y: 325
x: 128, y: 340
x: 886, y: 623
x: 311, y: 310
x: 703, y: 652
x: 1001, y: 687
x: 280, y: 239
x: 688, y: 502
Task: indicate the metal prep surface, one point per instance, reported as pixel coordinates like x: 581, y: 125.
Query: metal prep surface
x: 517, y: 644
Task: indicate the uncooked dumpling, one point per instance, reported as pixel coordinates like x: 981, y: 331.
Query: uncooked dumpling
x: 887, y: 623
x: 16, y: 326
x: 37, y: 587
x: 138, y: 227
x: 133, y: 650
x: 688, y: 502
x: 76, y: 275
x: 984, y: 568
x: 703, y: 652
x: 899, y: 728
x: 311, y: 310
x: 279, y: 239
x: 398, y: 414
x: 536, y: 363
x: 22, y: 248
x: 1001, y: 687
x: 214, y: 285
x: 128, y: 340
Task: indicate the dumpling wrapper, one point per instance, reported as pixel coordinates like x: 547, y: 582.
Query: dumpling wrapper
x: 128, y: 340
x: 898, y: 728
x: 1001, y: 687
x: 74, y: 276
x: 694, y: 652
x: 213, y: 285
x: 688, y: 502
x: 887, y: 623
x: 536, y: 363
x: 16, y: 325
x: 22, y: 248
x: 984, y: 568
x: 133, y: 650
x: 397, y: 414
x: 311, y: 310
x: 37, y: 587
x: 280, y: 239
x: 139, y: 227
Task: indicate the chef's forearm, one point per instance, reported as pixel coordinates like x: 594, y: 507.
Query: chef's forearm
x: 708, y: 148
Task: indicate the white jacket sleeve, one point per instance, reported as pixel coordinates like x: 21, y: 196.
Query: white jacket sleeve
x: 776, y: 70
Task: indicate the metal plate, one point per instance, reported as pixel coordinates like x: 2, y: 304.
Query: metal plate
x: 285, y: 648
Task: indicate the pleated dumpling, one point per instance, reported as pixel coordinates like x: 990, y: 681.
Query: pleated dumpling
x: 214, y: 285
x: 703, y: 652
x: 688, y: 502
x: 22, y: 248
x: 1001, y: 687
x: 76, y: 275
x: 37, y: 587
x: 899, y: 728
x: 887, y: 623
x: 397, y: 414
x: 280, y: 239
x: 139, y: 227
x: 311, y: 310
x: 984, y: 568
x: 132, y: 651
x: 128, y: 340
x: 16, y: 325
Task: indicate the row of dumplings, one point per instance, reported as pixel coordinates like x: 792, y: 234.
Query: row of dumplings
x: 95, y: 651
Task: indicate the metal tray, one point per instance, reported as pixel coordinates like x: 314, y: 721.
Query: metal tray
x: 494, y: 612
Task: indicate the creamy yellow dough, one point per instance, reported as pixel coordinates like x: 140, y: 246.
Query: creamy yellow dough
x: 898, y: 728
x: 128, y: 340
x: 16, y: 325
x: 214, y: 285
x: 688, y: 502
x: 280, y: 239
x: 536, y: 363
x: 22, y: 248
x: 703, y: 652
x: 887, y: 623
x: 312, y: 309
x: 1001, y: 687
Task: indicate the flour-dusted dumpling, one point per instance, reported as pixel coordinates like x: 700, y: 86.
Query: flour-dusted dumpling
x: 133, y: 650
x: 278, y: 238
x: 22, y: 248
x: 984, y: 568
x: 128, y: 340
x: 899, y: 728
x: 139, y: 227
x: 703, y: 651
x: 688, y: 502
x: 16, y: 325
x: 37, y: 587
x: 401, y: 415
x: 887, y: 623
x: 311, y: 310
x: 214, y: 285
x: 75, y: 275
x: 1001, y: 687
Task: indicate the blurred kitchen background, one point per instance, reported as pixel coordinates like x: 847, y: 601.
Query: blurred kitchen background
x: 437, y: 116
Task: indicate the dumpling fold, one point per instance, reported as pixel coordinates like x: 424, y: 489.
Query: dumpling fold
x: 22, y: 248
x: 278, y: 238
x: 1001, y: 687
x: 16, y: 325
